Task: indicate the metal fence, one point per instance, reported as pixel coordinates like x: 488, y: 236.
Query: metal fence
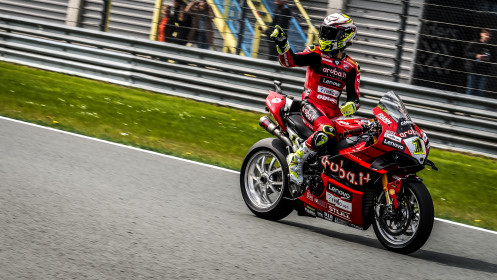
x: 432, y: 43
x: 388, y: 31
x: 451, y: 120
x: 419, y: 42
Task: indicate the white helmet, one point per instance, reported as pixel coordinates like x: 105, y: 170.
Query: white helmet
x: 336, y: 32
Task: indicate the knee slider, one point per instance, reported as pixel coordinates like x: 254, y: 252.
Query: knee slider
x: 319, y: 140
x: 329, y: 130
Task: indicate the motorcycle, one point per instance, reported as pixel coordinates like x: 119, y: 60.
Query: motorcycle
x: 368, y: 177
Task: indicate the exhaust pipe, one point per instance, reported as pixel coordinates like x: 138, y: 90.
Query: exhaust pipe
x: 275, y: 130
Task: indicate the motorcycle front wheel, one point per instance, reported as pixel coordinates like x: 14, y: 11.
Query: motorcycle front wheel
x: 264, y: 180
x: 405, y: 229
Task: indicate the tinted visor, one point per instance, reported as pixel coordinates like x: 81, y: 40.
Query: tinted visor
x: 330, y: 33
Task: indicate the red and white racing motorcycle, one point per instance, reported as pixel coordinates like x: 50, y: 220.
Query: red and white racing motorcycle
x: 369, y: 177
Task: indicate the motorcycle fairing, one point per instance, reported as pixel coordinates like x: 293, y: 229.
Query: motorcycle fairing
x: 342, y: 199
x: 274, y: 103
x: 325, y: 215
x: 353, y: 174
x: 399, y: 131
x: 341, y: 124
x: 405, y: 137
x: 337, y: 203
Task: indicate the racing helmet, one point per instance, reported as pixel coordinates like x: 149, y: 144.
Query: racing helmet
x: 336, y: 32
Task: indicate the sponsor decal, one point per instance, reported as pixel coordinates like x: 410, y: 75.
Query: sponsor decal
x: 276, y: 100
x: 328, y: 91
x: 406, y: 123
x: 316, y: 200
x: 340, y: 192
x: 285, y: 57
x: 351, y: 177
x: 309, y: 113
x: 393, y: 144
x: 309, y: 196
x: 391, y: 135
x: 327, y: 98
x: 324, y: 55
x: 310, y: 210
x: 342, y: 123
x: 331, y: 82
x: 338, y: 202
x: 425, y: 137
x: 339, y: 212
x: 266, y: 122
x: 320, y: 202
x: 340, y: 221
x: 320, y: 213
x: 337, y: 220
x: 332, y: 72
x: 409, y: 132
x: 384, y: 119
x: 328, y: 217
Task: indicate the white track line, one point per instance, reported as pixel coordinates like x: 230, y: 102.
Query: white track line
x: 119, y: 145
x: 189, y: 161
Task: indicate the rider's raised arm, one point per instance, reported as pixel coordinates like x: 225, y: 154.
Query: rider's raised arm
x: 305, y: 58
x: 286, y: 55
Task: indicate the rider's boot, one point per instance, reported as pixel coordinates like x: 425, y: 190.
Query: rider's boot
x: 296, y: 162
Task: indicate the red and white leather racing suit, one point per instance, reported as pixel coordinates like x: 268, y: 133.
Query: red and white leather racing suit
x: 325, y: 79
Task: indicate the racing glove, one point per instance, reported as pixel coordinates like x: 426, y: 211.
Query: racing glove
x: 280, y: 39
x: 348, y: 108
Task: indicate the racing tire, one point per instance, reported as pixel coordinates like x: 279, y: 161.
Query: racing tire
x: 264, y: 180
x: 408, y: 233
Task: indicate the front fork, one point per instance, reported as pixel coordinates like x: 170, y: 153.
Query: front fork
x: 391, y: 191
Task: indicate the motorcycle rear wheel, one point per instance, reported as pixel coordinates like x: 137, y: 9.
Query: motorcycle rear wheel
x: 412, y: 225
x: 264, y: 180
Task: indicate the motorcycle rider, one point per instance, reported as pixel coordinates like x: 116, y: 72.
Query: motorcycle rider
x: 329, y: 70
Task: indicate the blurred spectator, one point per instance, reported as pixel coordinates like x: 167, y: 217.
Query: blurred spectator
x: 480, y: 54
x: 282, y: 17
x: 165, y: 14
x: 179, y: 24
x: 202, y: 15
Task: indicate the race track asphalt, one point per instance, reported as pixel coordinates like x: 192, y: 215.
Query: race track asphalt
x: 77, y: 208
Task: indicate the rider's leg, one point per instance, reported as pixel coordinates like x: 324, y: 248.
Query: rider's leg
x: 317, y: 141
x: 296, y: 162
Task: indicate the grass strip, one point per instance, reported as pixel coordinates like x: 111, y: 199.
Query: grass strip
x: 464, y: 189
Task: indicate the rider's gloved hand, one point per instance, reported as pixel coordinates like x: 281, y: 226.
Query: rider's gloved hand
x: 348, y: 109
x: 280, y: 39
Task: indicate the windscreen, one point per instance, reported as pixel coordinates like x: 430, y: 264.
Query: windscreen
x: 391, y: 104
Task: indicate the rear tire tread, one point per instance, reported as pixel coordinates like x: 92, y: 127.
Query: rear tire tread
x: 283, y: 207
